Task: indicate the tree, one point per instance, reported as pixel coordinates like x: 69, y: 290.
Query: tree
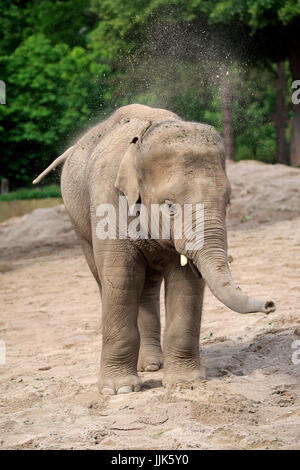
x: 54, y: 83
x: 273, y: 34
x: 281, y: 115
x: 52, y: 93
x: 68, y: 63
x: 295, y: 71
x: 250, y: 31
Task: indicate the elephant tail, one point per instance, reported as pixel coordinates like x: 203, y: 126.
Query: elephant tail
x: 53, y: 165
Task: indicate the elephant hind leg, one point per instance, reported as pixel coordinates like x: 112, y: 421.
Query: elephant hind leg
x: 89, y: 256
x: 150, y: 353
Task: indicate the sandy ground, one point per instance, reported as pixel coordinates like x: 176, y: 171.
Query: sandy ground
x: 51, y: 322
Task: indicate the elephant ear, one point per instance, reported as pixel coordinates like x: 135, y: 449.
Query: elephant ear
x: 127, y: 179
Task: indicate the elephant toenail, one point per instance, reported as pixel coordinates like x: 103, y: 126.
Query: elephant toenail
x: 152, y: 367
x: 108, y: 391
x: 125, y: 389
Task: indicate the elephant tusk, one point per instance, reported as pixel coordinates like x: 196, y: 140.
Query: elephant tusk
x: 183, y: 260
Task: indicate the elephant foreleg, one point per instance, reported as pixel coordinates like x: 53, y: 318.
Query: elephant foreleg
x: 122, y: 280
x: 183, y: 299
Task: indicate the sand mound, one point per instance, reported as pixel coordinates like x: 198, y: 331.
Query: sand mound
x: 262, y: 193
x: 42, y: 227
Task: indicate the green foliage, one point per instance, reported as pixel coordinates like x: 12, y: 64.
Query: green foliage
x: 53, y: 89
x: 258, y: 14
x: 60, y: 20
x: 254, y: 108
x: 50, y: 92
x: 68, y: 63
x: 35, y: 193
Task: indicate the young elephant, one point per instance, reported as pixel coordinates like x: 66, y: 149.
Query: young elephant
x: 152, y: 157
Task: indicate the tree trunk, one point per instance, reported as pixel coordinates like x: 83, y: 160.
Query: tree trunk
x: 295, y: 140
x: 4, y: 186
x: 226, y: 102
x: 281, y: 115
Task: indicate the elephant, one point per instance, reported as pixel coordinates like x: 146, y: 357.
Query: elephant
x: 152, y: 157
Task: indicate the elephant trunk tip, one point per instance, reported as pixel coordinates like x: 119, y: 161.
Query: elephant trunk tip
x: 254, y: 305
x: 268, y: 307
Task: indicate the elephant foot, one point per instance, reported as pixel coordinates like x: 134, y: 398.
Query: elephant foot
x: 184, y: 378
x: 150, y: 358
x: 119, y: 384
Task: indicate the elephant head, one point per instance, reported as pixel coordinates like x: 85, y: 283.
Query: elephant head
x: 176, y: 163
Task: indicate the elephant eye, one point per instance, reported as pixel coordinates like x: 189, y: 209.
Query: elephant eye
x: 170, y: 207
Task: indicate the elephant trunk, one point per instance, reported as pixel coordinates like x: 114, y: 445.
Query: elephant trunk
x: 224, y: 288
x: 211, y: 261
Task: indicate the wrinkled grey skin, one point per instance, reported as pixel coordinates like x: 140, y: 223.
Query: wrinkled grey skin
x: 174, y: 160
